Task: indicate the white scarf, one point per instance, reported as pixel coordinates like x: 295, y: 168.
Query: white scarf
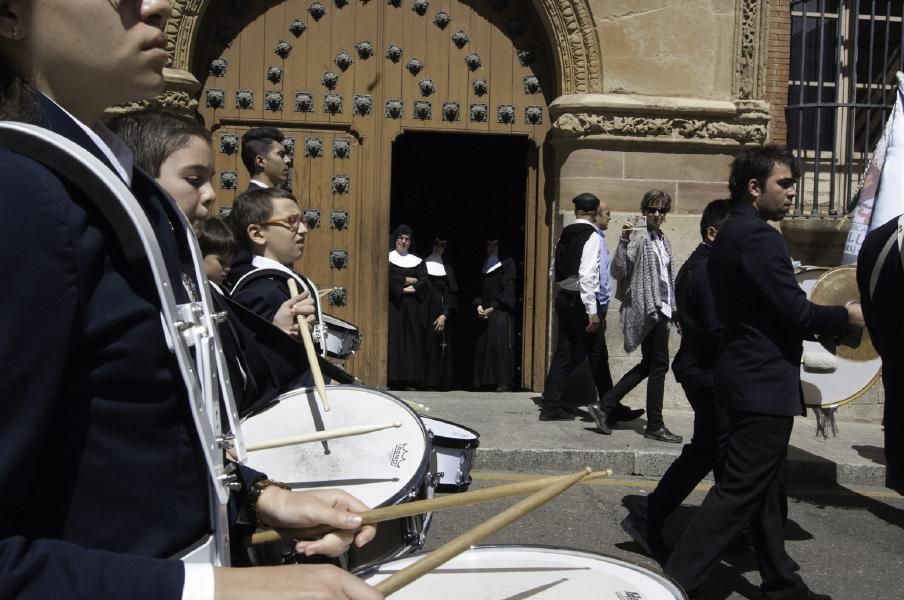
x: 435, y: 265
x: 406, y: 261
x: 492, y: 263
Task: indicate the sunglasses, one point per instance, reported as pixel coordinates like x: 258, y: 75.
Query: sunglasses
x: 657, y: 210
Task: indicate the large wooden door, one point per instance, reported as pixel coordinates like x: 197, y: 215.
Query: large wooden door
x: 343, y: 79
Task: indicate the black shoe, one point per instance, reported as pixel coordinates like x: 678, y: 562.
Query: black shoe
x: 555, y: 414
x: 637, y: 525
x: 623, y: 413
x: 599, y: 416
x: 663, y: 435
x: 503, y: 387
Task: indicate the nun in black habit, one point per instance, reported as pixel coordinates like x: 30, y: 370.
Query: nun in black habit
x: 442, y: 297
x: 495, y: 307
x: 407, y: 311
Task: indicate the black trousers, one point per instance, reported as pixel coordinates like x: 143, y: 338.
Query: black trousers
x: 705, y: 453
x: 752, y: 488
x: 654, y: 364
x: 893, y: 419
x: 574, y: 345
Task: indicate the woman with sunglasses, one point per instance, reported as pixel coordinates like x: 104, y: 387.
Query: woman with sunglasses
x: 103, y: 472
x: 643, y: 269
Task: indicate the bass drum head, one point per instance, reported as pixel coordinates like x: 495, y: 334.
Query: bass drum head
x: 850, y: 379
x: 535, y: 572
x: 379, y: 468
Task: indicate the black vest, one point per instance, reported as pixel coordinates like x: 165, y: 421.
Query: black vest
x: 570, y: 247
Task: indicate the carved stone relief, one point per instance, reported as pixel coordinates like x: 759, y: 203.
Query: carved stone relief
x: 442, y: 20
x: 229, y: 143
x: 460, y: 39
x: 283, y: 48
x: 365, y: 50
x: 304, y: 102
x: 313, y: 147
x: 338, y: 219
x: 363, y: 104
x: 394, y: 109
x: 473, y: 61
x: 244, y: 99
x: 479, y: 113
x: 394, y: 53
x: 338, y: 258
x: 505, y: 113
x: 343, y: 61
x: 289, y: 145
x: 340, y: 184
x: 332, y: 103
x: 297, y: 27
x: 481, y: 87
x: 273, y: 101
x: 229, y: 180
x: 218, y: 67
x: 338, y: 296
x: 451, y: 111
x: 311, y: 217
x: 750, y: 50
x: 423, y: 110
x: 316, y: 10
x: 533, y: 115
x: 216, y: 98
x: 274, y: 75
x: 341, y: 149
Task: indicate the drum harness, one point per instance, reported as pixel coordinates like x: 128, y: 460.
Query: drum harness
x: 191, y: 329
x: 896, y: 236
x: 306, y: 285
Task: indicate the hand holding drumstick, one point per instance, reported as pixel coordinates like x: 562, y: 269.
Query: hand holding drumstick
x: 299, y: 305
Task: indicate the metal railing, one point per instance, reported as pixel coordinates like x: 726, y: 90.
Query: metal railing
x: 844, y: 55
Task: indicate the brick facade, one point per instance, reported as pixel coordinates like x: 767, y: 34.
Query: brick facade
x: 778, y: 63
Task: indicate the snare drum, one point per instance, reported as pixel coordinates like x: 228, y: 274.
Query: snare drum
x: 454, y: 446
x: 381, y: 468
x: 535, y: 572
x: 341, y: 338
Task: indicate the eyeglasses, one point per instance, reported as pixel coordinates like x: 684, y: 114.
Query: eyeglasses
x: 657, y: 210
x: 292, y: 223
x: 404, y: 238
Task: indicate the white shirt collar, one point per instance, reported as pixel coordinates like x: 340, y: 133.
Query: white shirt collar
x: 406, y: 261
x: 109, y: 143
x: 435, y: 265
x: 262, y: 262
x: 258, y: 183
x: 492, y: 263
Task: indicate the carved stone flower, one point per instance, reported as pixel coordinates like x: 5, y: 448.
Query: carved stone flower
x: 480, y: 86
x: 341, y: 149
x: 427, y: 86
x: 332, y: 103
x: 533, y: 115
x: 479, y: 113
x: 283, y: 48
x: 273, y: 101
x: 365, y: 50
x: 505, y: 113
x: 394, y: 53
x: 473, y: 61
x: 423, y: 110
x: 297, y: 27
x: 414, y: 66
x: 394, y: 109
x: 229, y: 143
x: 216, y: 98
x: 460, y: 39
x: 218, y: 67
x: 313, y: 147
x: 442, y: 20
x: 244, y: 99
x: 329, y: 80
x: 274, y: 75
x: 304, y: 102
x: 343, y: 60
x: 317, y: 11
x: 421, y: 6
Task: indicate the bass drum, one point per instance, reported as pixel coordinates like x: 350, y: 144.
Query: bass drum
x: 535, y: 572
x: 830, y: 380
x: 382, y: 468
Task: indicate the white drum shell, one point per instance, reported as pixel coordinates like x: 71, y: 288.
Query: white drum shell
x: 849, y: 380
x: 454, y: 446
x: 340, y: 338
x: 535, y: 572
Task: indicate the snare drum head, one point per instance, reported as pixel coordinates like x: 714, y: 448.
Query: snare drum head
x: 451, y: 434
x: 504, y: 572
x: 849, y: 380
x: 379, y: 468
x: 338, y: 323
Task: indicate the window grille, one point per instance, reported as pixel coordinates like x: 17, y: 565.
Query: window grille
x: 841, y: 88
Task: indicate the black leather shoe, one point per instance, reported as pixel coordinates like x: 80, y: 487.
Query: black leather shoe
x: 663, y: 435
x: 599, y: 416
x: 623, y: 413
x: 555, y: 414
x: 637, y: 525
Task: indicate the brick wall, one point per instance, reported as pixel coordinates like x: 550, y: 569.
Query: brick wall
x: 778, y: 62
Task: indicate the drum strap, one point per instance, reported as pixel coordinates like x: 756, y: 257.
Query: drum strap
x: 187, y: 327
x: 896, y: 236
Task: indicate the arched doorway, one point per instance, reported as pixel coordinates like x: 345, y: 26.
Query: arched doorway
x: 345, y: 79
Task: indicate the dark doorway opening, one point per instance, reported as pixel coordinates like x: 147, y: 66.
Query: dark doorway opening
x: 467, y: 187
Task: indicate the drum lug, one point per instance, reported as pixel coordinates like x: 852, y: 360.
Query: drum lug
x: 220, y: 317
x: 231, y: 482
x: 226, y: 441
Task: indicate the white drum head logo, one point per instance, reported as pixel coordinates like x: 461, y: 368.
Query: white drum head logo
x: 399, y: 454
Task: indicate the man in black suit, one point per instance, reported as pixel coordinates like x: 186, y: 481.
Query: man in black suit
x: 264, y: 155
x: 765, y: 315
x: 880, y: 277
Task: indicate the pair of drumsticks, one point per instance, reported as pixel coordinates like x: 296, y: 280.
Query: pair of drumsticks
x: 541, y: 491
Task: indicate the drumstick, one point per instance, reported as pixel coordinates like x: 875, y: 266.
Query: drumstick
x: 323, y: 293
x: 309, y: 349
x: 318, y: 436
x: 416, y: 405
x: 409, y: 509
x: 451, y: 549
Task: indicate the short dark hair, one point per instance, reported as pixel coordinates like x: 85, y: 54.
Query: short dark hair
x: 757, y: 163
x: 656, y: 196
x: 714, y: 214
x: 153, y: 134
x: 253, y: 207
x: 216, y: 237
x: 257, y: 142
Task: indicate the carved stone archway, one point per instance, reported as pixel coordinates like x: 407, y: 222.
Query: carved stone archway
x: 568, y: 24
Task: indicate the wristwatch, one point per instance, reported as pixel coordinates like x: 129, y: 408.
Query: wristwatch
x: 254, y: 494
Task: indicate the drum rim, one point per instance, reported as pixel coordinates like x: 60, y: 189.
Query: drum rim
x: 876, y: 376
x: 420, y: 473
x: 452, y: 442
x: 362, y: 573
